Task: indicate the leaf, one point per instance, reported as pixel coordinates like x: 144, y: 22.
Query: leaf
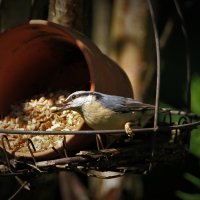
x: 186, y: 196
x: 195, y: 143
x: 195, y: 91
x: 193, y: 179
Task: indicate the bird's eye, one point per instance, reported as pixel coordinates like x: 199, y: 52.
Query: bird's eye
x: 73, y: 97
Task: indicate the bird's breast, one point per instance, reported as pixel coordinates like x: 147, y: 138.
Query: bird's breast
x: 101, y: 118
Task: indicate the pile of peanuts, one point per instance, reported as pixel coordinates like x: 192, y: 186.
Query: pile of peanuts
x: 38, y: 113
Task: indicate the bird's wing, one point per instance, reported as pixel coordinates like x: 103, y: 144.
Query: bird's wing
x: 132, y: 105
x: 128, y: 104
x: 122, y: 104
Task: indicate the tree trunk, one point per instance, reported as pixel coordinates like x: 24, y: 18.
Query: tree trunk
x: 71, y: 13
x: 133, y: 46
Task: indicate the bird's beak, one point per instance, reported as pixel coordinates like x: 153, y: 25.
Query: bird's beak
x: 62, y: 106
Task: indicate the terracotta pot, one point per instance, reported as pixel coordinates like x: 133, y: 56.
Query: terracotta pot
x: 41, y: 55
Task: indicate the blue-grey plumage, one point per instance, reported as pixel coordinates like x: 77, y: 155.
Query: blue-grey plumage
x: 105, y: 112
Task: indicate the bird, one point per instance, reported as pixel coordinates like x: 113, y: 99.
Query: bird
x: 108, y: 112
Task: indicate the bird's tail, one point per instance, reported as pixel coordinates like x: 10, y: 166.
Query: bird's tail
x: 178, y: 112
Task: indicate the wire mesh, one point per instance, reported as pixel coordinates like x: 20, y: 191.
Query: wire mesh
x: 131, y: 154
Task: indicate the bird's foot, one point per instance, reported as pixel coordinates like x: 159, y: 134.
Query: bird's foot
x: 129, y: 129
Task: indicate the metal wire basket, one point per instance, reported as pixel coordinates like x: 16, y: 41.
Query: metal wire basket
x: 168, y: 143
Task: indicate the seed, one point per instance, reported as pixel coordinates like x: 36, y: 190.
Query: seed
x: 39, y: 114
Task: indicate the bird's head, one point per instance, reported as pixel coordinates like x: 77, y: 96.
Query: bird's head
x: 76, y: 100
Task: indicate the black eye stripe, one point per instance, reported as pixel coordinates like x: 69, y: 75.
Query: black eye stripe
x: 73, y: 96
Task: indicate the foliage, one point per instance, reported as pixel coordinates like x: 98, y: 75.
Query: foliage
x: 196, y: 182
x: 195, y: 141
x: 195, y: 104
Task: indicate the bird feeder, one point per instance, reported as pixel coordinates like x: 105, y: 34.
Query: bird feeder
x: 42, y: 55
x: 48, y: 55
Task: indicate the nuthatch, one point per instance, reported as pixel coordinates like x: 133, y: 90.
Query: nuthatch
x: 105, y: 112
